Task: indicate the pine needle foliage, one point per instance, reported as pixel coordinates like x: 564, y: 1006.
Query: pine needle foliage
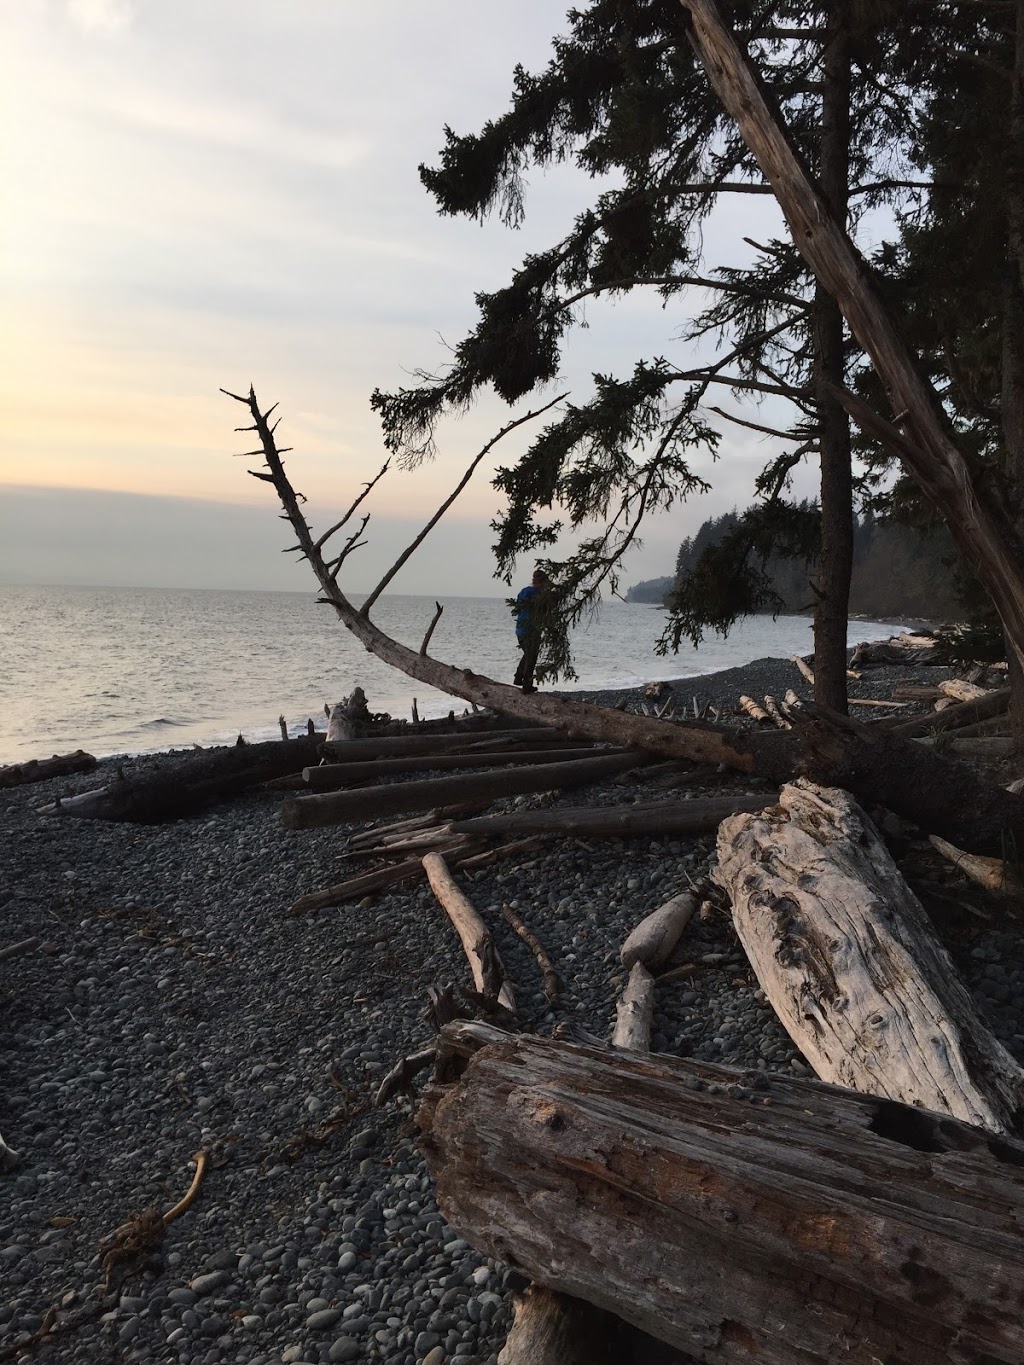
x: 625, y: 101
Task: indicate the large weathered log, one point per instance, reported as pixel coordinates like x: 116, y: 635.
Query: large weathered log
x: 181, y: 785
x: 976, y: 746
x: 40, y: 769
x: 334, y: 808
x: 330, y: 777
x: 739, y: 1216
x: 852, y: 966
x: 695, y: 816
x: 961, y: 690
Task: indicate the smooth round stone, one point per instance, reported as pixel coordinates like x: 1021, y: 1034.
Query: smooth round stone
x: 344, y: 1349
x: 324, y: 1318
x: 208, y: 1284
x: 252, y: 1322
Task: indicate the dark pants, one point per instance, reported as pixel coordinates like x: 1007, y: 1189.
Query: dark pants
x: 530, y: 645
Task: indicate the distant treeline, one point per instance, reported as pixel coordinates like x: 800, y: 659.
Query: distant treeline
x: 897, y: 570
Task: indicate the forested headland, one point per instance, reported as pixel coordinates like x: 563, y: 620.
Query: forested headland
x: 898, y: 570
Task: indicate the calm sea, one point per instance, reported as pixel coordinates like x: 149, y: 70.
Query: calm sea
x: 128, y: 670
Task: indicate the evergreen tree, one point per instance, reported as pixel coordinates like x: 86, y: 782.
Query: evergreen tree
x: 623, y: 96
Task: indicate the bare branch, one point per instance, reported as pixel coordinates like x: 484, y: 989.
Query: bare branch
x: 430, y: 629
x: 364, y: 610
x: 697, y: 281
x: 754, y: 426
x: 365, y: 493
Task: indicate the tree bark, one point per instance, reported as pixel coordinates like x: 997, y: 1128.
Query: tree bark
x: 735, y: 1215
x: 334, y: 808
x: 471, y: 741
x: 919, y: 431
x: 850, y: 963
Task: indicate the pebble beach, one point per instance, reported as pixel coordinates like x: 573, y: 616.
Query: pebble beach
x: 173, y: 1005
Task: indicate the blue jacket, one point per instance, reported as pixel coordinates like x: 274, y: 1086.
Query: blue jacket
x: 524, y: 614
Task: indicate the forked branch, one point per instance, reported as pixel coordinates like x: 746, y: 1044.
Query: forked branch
x: 411, y: 549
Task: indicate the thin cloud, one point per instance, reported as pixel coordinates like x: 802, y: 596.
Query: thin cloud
x: 101, y: 16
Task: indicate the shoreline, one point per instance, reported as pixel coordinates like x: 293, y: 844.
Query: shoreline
x: 174, y: 1005
x: 721, y: 687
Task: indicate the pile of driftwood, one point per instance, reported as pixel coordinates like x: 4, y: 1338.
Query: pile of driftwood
x: 666, y: 1210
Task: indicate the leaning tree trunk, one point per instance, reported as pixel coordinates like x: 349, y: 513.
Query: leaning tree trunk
x: 919, y: 432
x: 835, y: 563
x: 849, y: 961
x: 738, y: 1216
x: 946, y: 799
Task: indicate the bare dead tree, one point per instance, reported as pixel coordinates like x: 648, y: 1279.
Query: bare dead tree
x: 945, y: 798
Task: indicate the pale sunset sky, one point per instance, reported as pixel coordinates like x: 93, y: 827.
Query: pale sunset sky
x: 211, y: 192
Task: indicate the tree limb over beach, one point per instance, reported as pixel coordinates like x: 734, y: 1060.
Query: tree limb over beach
x: 944, y: 798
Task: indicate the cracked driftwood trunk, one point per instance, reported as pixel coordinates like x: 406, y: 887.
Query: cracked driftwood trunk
x: 738, y: 1216
x: 850, y: 962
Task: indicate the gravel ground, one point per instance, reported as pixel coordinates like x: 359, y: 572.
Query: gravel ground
x: 174, y: 1005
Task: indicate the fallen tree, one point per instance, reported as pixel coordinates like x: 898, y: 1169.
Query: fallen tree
x: 945, y: 799
x: 736, y: 1215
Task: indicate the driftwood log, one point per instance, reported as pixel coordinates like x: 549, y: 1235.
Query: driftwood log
x: 994, y: 703
x: 489, y: 977
x: 850, y: 963
x: 337, y: 776
x: 334, y: 808
x: 654, y: 938
x: 476, y: 740
x: 634, y: 1012
x: 739, y: 1216
x: 181, y: 785
x: 699, y: 815
x: 39, y: 769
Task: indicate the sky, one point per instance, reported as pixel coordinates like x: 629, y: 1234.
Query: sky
x: 216, y: 194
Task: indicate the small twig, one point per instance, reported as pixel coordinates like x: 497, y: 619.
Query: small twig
x: 16, y: 949
x: 552, y: 981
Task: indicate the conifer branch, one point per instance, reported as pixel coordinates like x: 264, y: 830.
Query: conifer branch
x: 753, y: 426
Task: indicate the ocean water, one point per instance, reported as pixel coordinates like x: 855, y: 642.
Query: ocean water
x: 135, y: 670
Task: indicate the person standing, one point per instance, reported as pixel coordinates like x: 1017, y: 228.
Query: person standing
x: 529, y: 605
